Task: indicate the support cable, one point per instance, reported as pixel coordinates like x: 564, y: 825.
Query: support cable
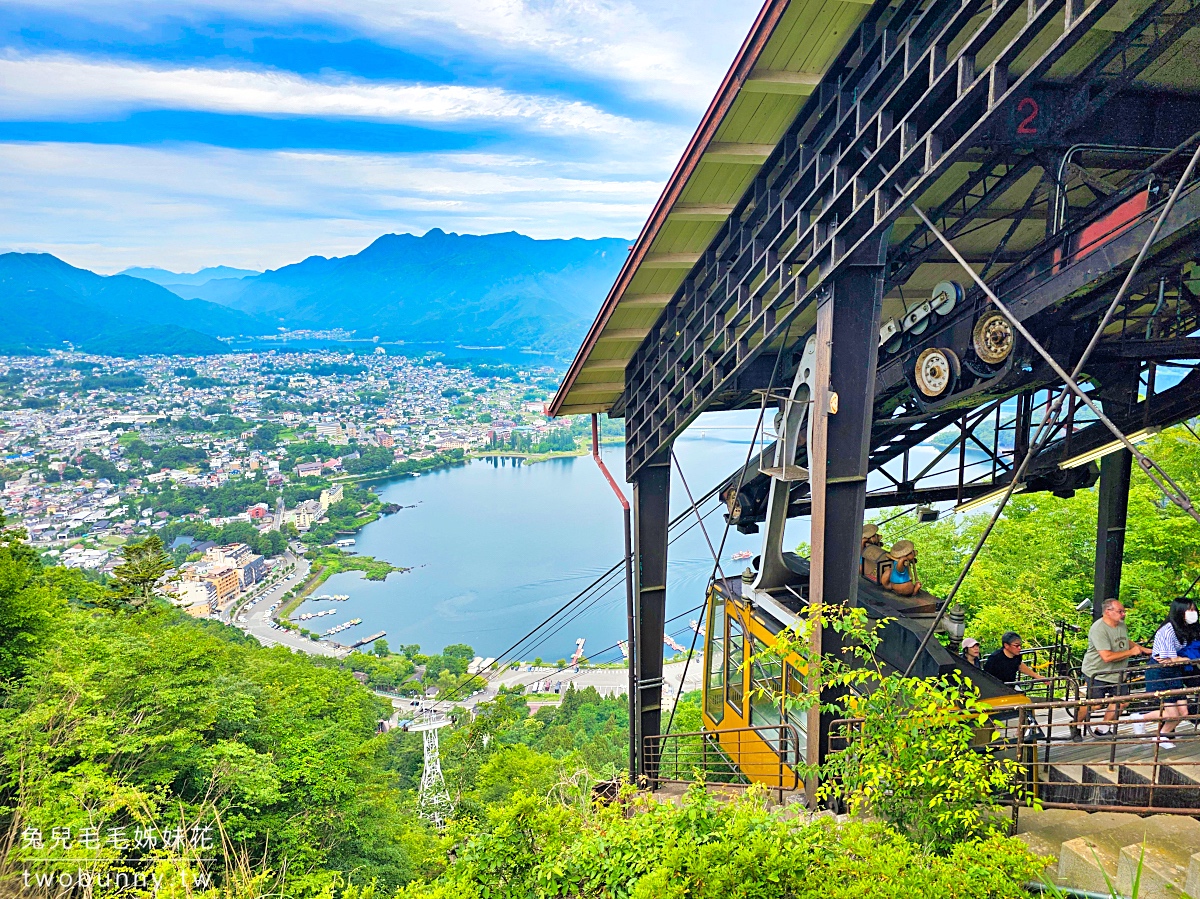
x: 762, y: 412
x: 1161, y: 479
x: 1046, y: 428
x: 579, y: 597
x: 674, y: 633
x: 717, y: 570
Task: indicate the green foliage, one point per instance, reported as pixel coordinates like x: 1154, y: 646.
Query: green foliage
x: 384, y: 670
x: 118, y: 381
x: 266, y: 436
x: 370, y: 458
x: 143, y: 565
x: 145, y: 719
x: 536, y: 847
x: 28, y: 604
x: 272, y: 543
x: 39, y: 402
x: 173, y: 455
x: 560, y: 440
x: 911, y: 757
x: 333, y: 560
x: 914, y: 762
x: 1038, y: 562
x: 231, y: 498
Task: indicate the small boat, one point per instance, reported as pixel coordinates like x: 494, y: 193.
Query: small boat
x: 741, y: 555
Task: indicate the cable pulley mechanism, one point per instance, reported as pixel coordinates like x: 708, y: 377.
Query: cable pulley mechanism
x: 992, y: 338
x: 936, y: 372
x: 946, y: 295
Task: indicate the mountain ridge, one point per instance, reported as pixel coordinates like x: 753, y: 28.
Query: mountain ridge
x: 165, y: 278
x: 45, y: 302
x: 440, y: 288
x: 505, y: 288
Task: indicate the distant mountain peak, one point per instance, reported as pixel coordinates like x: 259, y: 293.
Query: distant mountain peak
x: 441, y: 288
x: 166, y: 278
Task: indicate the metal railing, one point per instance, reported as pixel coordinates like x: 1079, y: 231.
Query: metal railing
x: 1146, y: 764
x: 766, y: 754
x: 1068, y: 756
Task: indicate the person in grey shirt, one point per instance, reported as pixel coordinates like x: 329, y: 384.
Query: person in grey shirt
x: 1105, y: 662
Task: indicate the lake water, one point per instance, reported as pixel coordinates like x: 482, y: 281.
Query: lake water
x: 497, y: 546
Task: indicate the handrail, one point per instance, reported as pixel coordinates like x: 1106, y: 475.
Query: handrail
x: 1122, y: 771
x: 707, y: 756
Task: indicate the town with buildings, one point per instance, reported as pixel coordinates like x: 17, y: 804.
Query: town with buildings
x: 235, y: 460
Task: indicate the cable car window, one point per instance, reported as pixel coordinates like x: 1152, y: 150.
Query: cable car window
x: 794, y: 715
x: 735, y: 658
x: 714, y: 649
x: 766, y: 684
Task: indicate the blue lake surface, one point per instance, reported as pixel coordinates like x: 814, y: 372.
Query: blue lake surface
x: 497, y: 546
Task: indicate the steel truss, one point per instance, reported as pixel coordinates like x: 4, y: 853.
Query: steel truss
x: 893, y: 115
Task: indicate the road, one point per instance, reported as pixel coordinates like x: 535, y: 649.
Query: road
x: 256, y: 619
x: 607, y: 681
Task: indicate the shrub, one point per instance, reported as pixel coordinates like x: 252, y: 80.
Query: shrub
x: 708, y: 849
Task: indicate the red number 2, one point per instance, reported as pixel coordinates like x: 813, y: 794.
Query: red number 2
x: 1030, y: 106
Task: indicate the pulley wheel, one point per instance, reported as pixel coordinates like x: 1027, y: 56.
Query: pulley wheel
x: 992, y: 338
x: 893, y: 344
x: 935, y: 371
x: 945, y: 297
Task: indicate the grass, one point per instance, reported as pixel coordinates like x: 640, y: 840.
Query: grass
x: 327, y: 562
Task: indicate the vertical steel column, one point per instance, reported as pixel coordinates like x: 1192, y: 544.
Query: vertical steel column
x: 651, y: 496
x: 1113, y: 507
x: 1120, y: 390
x: 842, y: 409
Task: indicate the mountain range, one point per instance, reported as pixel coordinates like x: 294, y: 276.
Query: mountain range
x: 439, y: 289
x: 169, y: 279
x: 494, y: 289
x: 45, y: 302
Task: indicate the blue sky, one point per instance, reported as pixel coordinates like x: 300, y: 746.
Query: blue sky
x: 187, y: 133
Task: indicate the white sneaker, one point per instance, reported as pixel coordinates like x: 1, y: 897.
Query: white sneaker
x: 1165, y: 743
x: 1100, y: 731
x: 1139, y: 727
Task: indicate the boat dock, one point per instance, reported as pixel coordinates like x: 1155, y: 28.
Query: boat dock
x: 365, y: 640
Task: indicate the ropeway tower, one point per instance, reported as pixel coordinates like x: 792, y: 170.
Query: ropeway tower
x: 434, y: 803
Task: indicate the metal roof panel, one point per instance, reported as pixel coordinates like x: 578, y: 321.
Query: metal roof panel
x: 789, y: 46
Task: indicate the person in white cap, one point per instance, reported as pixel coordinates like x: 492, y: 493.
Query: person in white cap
x: 971, y: 651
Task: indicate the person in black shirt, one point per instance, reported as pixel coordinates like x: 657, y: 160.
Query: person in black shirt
x: 1005, y: 663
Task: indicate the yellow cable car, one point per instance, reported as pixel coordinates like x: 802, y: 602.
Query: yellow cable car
x: 745, y: 704
x: 745, y: 688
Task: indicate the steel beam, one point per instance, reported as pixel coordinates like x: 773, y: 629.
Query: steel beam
x: 842, y: 409
x: 887, y: 123
x: 651, y: 498
x: 1112, y: 509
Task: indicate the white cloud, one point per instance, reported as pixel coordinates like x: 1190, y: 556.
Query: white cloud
x: 655, y: 49
x: 55, y: 86
x: 109, y: 207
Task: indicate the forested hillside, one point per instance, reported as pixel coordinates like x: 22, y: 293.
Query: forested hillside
x: 125, y: 716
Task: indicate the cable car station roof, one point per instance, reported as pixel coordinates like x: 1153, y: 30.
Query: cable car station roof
x: 780, y: 64
x: 1023, y: 128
